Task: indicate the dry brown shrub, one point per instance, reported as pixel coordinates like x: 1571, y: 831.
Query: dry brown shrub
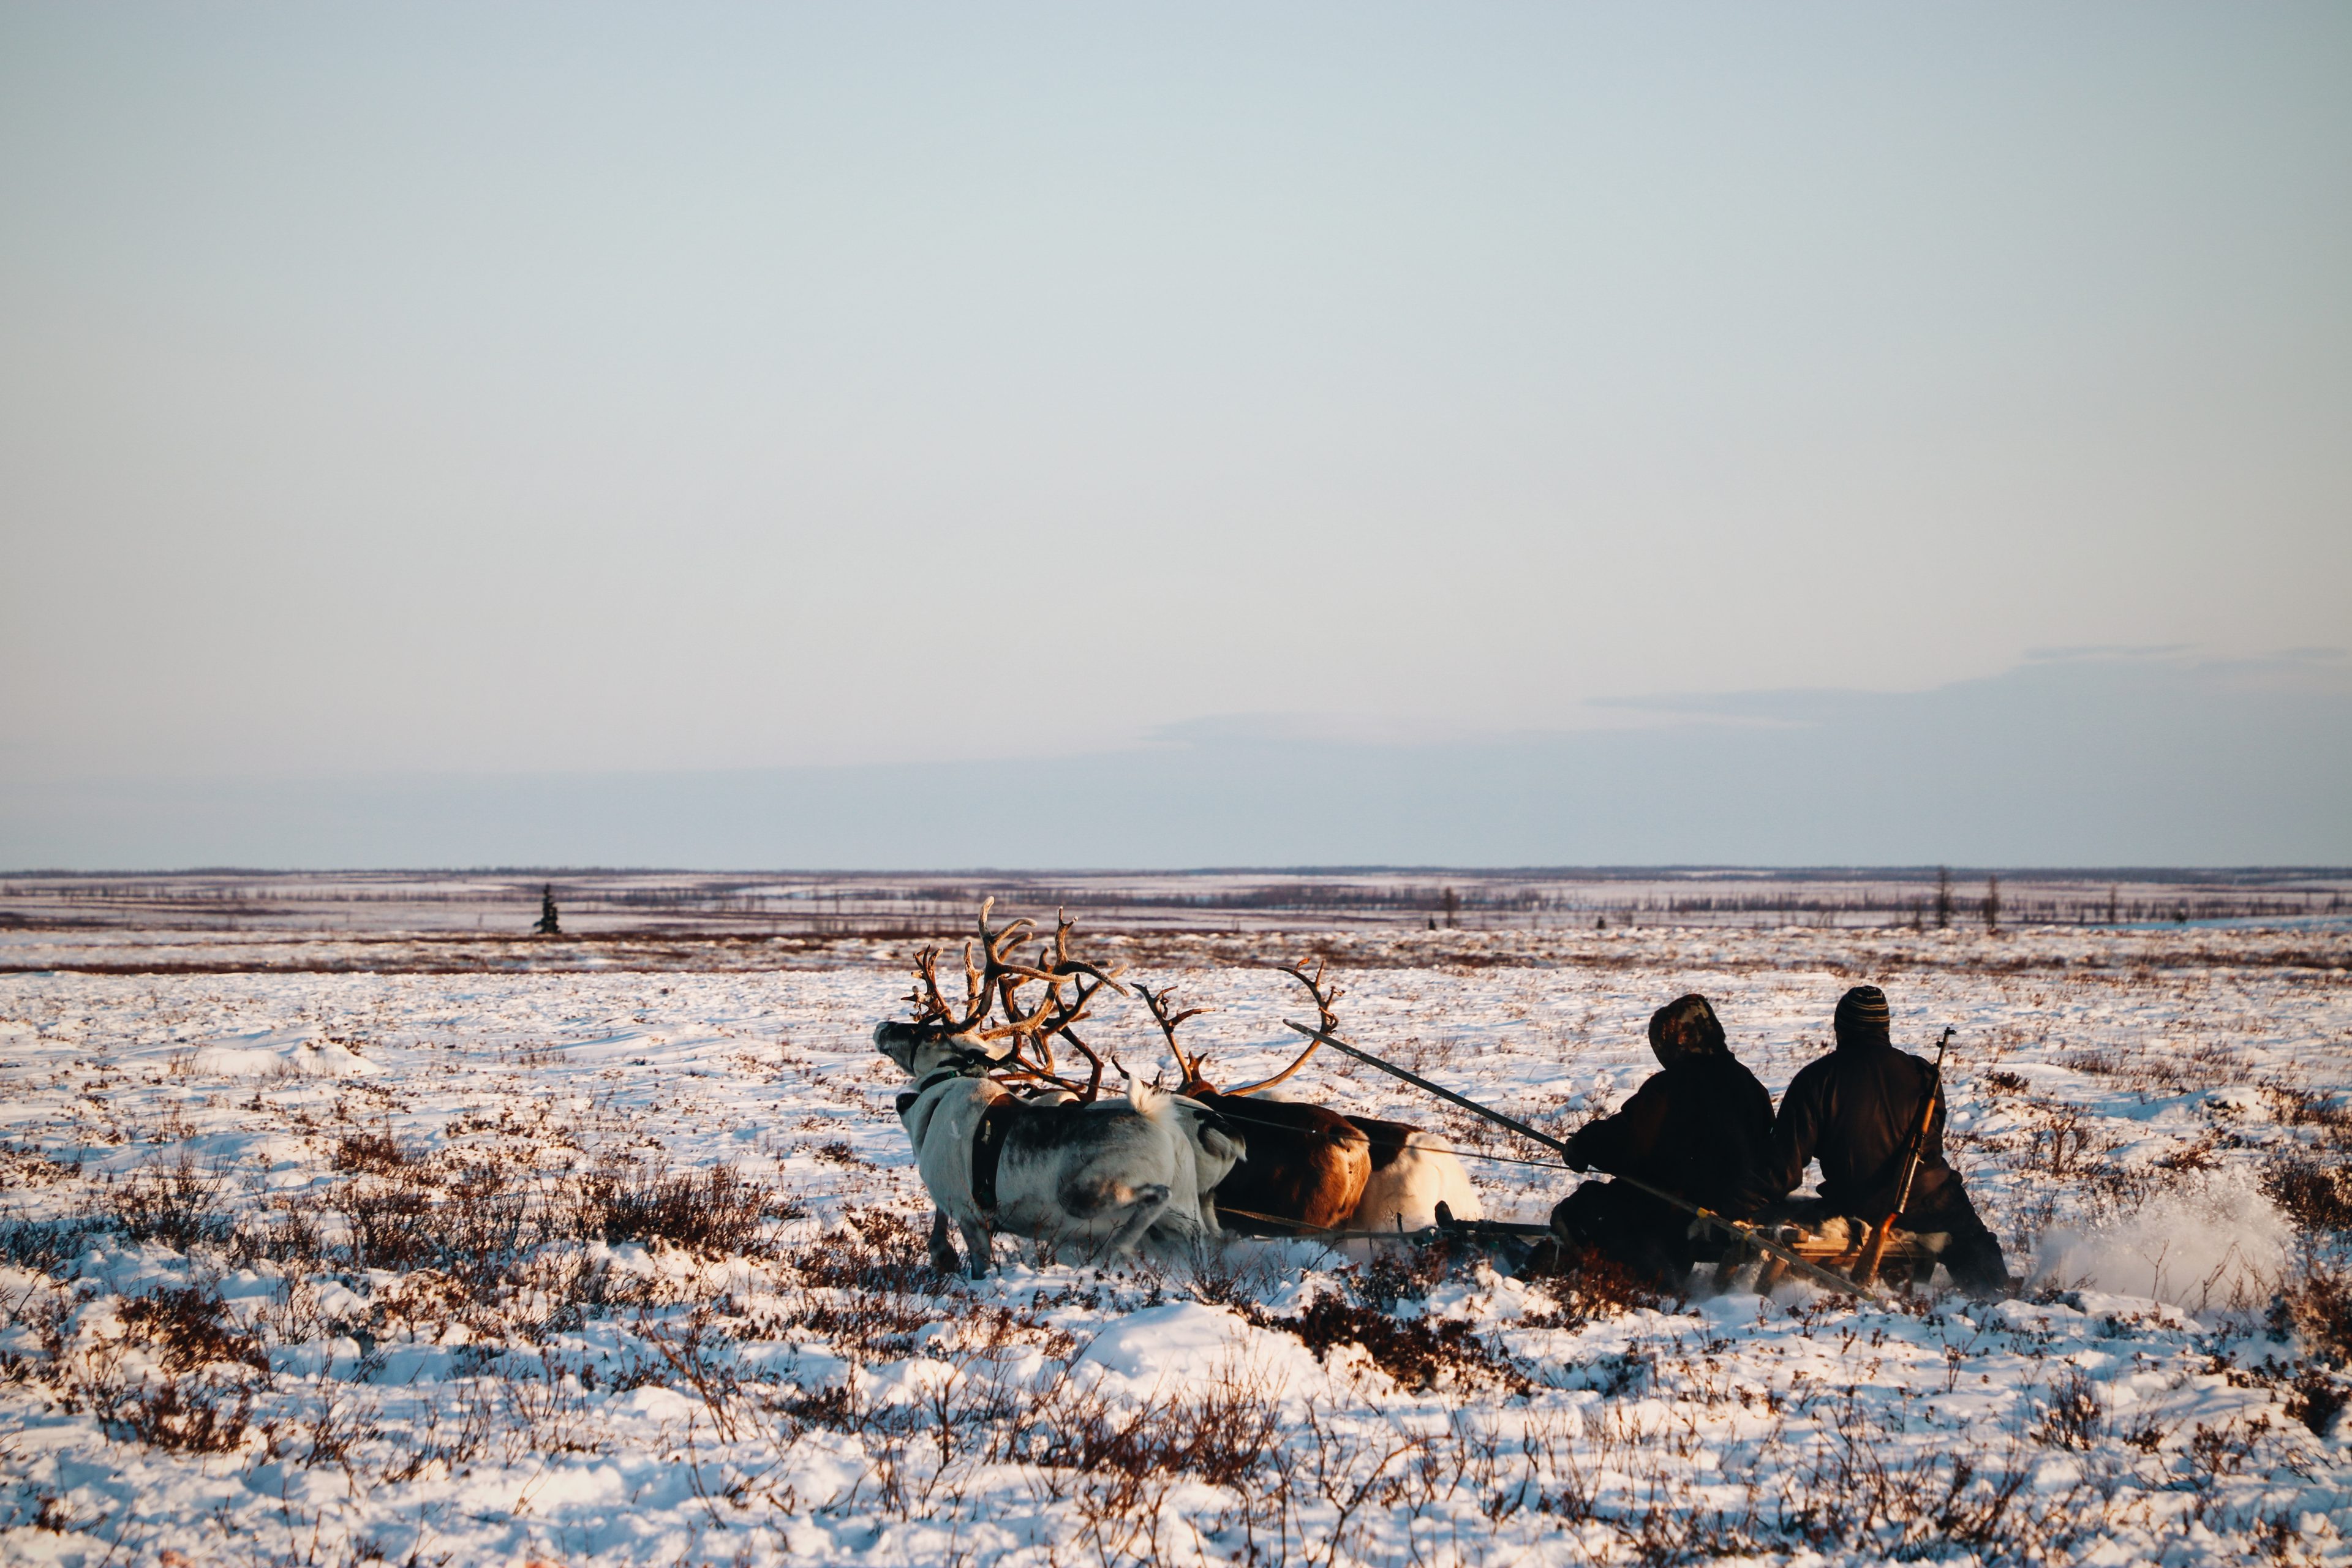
x: 861, y: 1326
x: 2317, y: 1400
x: 1588, y: 1285
x: 185, y: 1416
x: 377, y: 1152
x: 187, y: 1326
x: 2317, y: 1192
x: 1222, y: 1437
x: 390, y: 1227
x: 2327, y: 1110
x: 2073, y: 1415
x: 2063, y: 1146
x: 2317, y: 1307
x: 871, y: 1249
x: 48, y: 1246
x: 421, y: 1300
x: 716, y: 1213
x: 23, y: 1166
x: 1419, y: 1352
x: 172, y: 1200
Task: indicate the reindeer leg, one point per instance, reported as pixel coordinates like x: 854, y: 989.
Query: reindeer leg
x: 1151, y: 1203
x: 1178, y: 1238
x: 943, y: 1252
x: 981, y: 1245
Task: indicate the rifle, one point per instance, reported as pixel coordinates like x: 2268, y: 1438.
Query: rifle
x: 1724, y: 1223
x: 1866, y: 1268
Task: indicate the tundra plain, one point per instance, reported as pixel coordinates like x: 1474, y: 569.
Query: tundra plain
x: 328, y: 1254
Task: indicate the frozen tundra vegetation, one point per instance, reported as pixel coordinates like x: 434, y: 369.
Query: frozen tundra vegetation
x: 627, y: 1266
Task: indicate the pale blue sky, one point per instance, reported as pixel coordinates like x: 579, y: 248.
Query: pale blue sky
x: 463, y: 391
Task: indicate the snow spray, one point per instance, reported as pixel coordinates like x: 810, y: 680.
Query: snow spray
x: 2206, y: 1242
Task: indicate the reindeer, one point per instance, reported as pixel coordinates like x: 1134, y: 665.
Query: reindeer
x: 1313, y: 1168
x: 1086, y: 1173
x: 1310, y: 1164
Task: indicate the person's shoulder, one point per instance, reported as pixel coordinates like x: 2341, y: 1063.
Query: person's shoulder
x: 1810, y: 1077
x: 1729, y: 1066
x: 1820, y: 1066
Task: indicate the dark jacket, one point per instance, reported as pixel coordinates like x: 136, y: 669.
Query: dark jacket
x: 1854, y: 1110
x: 1701, y: 1129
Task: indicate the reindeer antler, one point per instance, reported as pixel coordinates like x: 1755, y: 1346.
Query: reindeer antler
x: 1000, y: 976
x: 1327, y: 1021
x: 1160, y: 1002
x: 928, y: 1005
x: 979, y: 982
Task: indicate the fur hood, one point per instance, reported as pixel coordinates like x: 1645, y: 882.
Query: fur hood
x: 1685, y: 1031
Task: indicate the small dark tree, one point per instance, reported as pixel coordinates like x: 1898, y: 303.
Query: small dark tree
x: 1992, y: 903
x: 1942, y: 896
x: 548, y: 925
x: 1453, y: 907
x: 2111, y: 906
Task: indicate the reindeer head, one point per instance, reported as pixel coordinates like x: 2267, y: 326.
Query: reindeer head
x: 924, y: 1049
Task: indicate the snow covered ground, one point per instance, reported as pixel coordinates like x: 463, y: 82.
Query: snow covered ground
x: 623, y: 1264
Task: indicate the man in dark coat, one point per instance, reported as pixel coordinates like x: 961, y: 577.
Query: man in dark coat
x: 1855, y: 1110
x: 1701, y: 1129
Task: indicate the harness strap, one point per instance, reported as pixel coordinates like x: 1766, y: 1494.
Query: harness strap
x: 988, y: 1147
x: 977, y: 1068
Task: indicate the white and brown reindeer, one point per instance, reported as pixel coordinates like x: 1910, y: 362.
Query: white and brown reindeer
x: 1091, y: 1176
x: 1309, y: 1168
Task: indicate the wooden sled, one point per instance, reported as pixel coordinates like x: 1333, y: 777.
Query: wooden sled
x: 1836, y: 1245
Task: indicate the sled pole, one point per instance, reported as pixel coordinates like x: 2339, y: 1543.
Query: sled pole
x: 1521, y: 1128
x: 1443, y: 1230
x: 1725, y: 1223
x: 1866, y: 1268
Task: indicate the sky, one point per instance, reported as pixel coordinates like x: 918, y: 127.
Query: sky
x: 1509, y: 435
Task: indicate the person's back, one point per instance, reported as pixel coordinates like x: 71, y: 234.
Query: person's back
x: 1701, y: 1129
x: 1855, y: 1110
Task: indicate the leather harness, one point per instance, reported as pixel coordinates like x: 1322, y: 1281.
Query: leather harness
x: 988, y: 1147
x: 987, y: 1139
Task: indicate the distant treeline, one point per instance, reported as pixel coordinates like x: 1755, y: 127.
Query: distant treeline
x: 915, y: 902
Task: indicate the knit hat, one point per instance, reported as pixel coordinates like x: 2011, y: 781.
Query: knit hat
x: 1685, y: 1029
x: 1862, y: 1012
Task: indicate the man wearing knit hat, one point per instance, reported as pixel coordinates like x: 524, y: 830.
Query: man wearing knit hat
x: 1854, y: 1110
